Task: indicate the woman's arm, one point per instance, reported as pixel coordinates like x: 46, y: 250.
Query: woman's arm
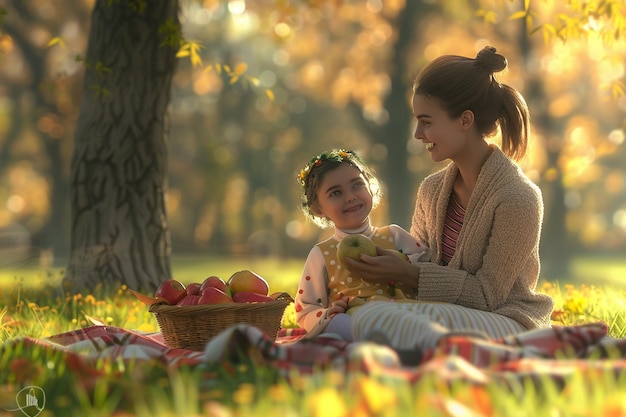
x: 386, y: 264
x: 487, y: 265
x: 497, y: 252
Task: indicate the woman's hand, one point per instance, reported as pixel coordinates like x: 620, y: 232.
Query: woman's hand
x: 337, y: 307
x: 384, y: 267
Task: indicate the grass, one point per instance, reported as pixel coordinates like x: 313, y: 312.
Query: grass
x: 29, y: 306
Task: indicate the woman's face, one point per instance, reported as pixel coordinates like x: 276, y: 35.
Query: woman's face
x: 442, y: 135
x: 344, y: 197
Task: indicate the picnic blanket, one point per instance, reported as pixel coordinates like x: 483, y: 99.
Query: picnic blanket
x: 555, y: 352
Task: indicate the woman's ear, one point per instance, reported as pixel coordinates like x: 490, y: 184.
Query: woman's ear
x: 467, y: 119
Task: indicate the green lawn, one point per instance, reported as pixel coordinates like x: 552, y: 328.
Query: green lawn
x: 600, y: 271
x: 595, y: 291
x: 282, y: 274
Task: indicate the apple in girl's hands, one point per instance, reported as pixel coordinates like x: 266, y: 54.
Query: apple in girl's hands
x: 171, y: 291
x: 352, y: 246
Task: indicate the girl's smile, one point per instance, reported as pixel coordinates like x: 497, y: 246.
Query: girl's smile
x: 354, y: 208
x: 344, y: 197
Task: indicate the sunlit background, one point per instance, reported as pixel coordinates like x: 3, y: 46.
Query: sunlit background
x: 310, y: 76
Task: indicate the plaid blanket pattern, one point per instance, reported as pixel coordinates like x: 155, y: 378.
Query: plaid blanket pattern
x: 554, y: 352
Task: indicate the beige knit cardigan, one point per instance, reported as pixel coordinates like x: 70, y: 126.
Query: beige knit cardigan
x: 496, y: 264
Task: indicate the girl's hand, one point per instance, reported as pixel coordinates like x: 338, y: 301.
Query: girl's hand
x: 384, y: 267
x: 337, y: 307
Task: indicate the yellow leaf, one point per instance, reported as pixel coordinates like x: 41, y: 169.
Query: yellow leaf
x: 618, y: 90
x: 241, y: 68
x: 218, y: 68
x: 270, y: 94
x: 233, y: 79
x: 377, y: 397
x: 183, y: 51
x: 326, y: 402
x: 56, y: 40
x: 194, y: 48
x: 547, y: 31
x: 518, y: 15
x: 227, y: 69
x: 253, y: 80
x: 196, y: 60
x: 490, y: 18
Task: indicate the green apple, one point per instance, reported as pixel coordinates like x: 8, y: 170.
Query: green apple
x: 352, y: 246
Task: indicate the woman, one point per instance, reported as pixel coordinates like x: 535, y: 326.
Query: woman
x: 480, y: 216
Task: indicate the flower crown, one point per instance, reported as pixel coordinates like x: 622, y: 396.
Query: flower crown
x: 338, y: 155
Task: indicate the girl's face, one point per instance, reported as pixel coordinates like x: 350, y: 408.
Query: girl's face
x: 344, y: 197
x: 442, y: 135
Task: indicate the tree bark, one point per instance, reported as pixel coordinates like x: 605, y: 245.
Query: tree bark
x: 119, y: 229
x: 396, y: 132
x: 556, y: 246
x: 53, y: 234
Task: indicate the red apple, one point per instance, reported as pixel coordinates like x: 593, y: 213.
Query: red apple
x: 214, y: 295
x: 171, y: 291
x: 246, y: 280
x: 189, y: 300
x: 250, y: 297
x: 193, y: 288
x: 216, y: 282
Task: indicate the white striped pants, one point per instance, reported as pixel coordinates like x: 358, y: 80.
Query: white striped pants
x: 410, y: 325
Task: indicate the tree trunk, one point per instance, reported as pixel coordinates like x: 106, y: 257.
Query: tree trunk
x: 119, y: 229
x: 53, y: 235
x: 397, y: 131
x: 555, y: 249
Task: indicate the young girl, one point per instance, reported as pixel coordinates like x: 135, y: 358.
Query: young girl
x: 480, y: 216
x: 340, y: 191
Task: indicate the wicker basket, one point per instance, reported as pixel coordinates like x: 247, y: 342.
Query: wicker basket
x: 191, y: 327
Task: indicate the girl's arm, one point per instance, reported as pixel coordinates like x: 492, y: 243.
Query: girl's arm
x: 311, y: 301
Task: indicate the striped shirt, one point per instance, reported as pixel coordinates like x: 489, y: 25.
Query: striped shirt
x: 455, y: 214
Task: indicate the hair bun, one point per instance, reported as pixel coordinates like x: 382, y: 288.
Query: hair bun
x: 488, y: 59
